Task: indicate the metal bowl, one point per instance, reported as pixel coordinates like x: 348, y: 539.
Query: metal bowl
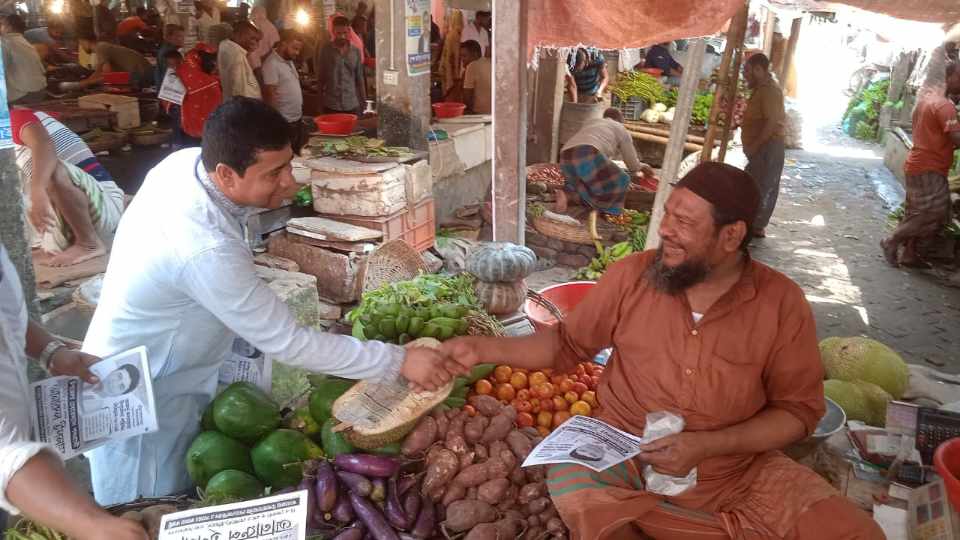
x: 832, y: 421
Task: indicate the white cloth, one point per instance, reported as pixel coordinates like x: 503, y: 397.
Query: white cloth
x: 284, y: 76
x: 181, y: 281
x: 236, y: 75
x: 480, y: 35
x: 269, y: 36
x: 16, y: 448
x: 22, y: 66
x: 610, y: 138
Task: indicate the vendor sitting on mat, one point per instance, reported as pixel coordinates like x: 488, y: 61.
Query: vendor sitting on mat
x: 586, y: 164
x: 72, y: 202
x: 701, y: 330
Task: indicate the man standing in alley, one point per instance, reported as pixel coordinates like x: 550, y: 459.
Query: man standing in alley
x: 281, y: 85
x: 476, y: 78
x: 763, y: 136
x: 25, y: 75
x: 236, y: 74
x: 936, y: 135
x: 342, y: 84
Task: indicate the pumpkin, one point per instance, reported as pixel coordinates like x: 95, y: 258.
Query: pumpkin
x: 501, y: 261
x: 501, y: 298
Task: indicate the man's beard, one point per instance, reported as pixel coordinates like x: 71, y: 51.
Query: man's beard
x: 678, y: 279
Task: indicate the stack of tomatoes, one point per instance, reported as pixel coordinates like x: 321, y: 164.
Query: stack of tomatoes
x: 543, y: 398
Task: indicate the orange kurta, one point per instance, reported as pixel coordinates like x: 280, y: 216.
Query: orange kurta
x: 755, y: 348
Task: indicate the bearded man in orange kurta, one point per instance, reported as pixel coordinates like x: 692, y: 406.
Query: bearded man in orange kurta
x: 701, y: 330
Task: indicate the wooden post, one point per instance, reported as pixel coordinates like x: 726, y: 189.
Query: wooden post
x: 768, y: 28
x: 738, y: 27
x: 545, y: 136
x: 790, y: 50
x: 678, y: 137
x: 731, y: 103
x: 509, y: 120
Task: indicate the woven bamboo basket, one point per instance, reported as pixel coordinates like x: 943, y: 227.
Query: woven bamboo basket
x: 393, y: 261
x: 542, y: 301
x: 106, y: 141
x: 576, y: 234
x: 154, y: 138
x: 481, y: 323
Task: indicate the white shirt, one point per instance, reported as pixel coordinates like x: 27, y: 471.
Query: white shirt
x: 480, y: 35
x: 236, y: 75
x: 23, y: 67
x: 16, y: 448
x: 610, y: 138
x: 181, y: 281
x: 284, y: 76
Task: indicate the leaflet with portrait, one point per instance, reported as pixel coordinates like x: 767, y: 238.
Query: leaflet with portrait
x: 586, y: 441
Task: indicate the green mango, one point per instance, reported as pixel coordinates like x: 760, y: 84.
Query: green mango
x: 212, y: 452
x: 431, y: 330
x: 371, y: 332
x: 278, y: 458
x: 403, y: 323
x: 415, y: 328
x: 334, y: 443
x: 233, y: 486
x: 323, y: 396
x: 385, y: 310
x: 388, y: 327
x: 446, y: 332
x: 453, y: 311
x: 245, y: 412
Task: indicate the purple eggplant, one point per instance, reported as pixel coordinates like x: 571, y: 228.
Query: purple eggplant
x: 411, y: 507
x: 370, y: 515
x: 407, y: 482
x: 379, y: 492
x: 356, y: 483
x: 354, y: 532
x: 325, y: 487
x: 393, y: 508
x: 314, y: 519
x: 343, y: 511
x: 367, y: 465
x: 426, y: 521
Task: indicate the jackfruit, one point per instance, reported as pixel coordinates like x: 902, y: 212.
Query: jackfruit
x: 859, y: 358
x: 877, y: 400
x: 860, y: 400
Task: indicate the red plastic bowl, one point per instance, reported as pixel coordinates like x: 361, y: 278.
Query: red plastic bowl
x: 946, y: 461
x: 449, y: 109
x: 565, y: 296
x: 116, y: 77
x: 336, y: 124
x: 656, y: 72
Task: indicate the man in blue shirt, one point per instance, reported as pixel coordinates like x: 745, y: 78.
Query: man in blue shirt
x: 587, y: 77
x: 659, y: 57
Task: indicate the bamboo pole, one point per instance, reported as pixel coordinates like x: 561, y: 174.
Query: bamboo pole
x: 731, y: 105
x: 693, y: 147
x: 637, y: 128
x: 738, y: 27
x: 790, y: 51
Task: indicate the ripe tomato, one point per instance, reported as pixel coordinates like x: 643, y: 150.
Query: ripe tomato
x: 470, y: 410
x: 580, y: 388
x: 546, y: 404
x: 523, y: 394
x: 544, y: 391
x: 518, y: 380
x: 535, y: 406
x: 545, y: 419
x: 581, y: 369
x: 537, y: 377
x: 522, y: 405
x: 590, y: 397
x: 594, y: 382
x: 525, y: 371
x: 582, y: 408
x: 525, y: 419
x: 565, y: 385
x: 560, y: 417
x: 483, y: 387
x: 543, y: 431
x: 557, y: 379
x: 502, y: 374
x: 571, y: 397
x: 506, y: 393
x: 560, y: 404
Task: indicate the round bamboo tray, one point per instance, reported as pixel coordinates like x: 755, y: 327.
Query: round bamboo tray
x: 153, y: 138
x: 567, y: 232
x: 392, y: 262
x: 106, y: 141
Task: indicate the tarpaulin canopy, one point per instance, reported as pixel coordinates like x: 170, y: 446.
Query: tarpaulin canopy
x: 915, y: 10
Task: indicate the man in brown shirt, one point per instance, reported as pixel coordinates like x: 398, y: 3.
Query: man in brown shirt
x: 701, y: 330
x: 763, y: 133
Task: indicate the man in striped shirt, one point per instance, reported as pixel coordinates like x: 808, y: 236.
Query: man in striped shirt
x: 72, y: 203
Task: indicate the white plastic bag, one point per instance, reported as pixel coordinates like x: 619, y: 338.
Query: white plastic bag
x: 659, y: 425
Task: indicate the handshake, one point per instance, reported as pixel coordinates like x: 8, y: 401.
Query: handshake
x: 430, y: 369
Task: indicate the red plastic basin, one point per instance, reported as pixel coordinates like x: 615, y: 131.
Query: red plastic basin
x: 946, y: 461
x: 336, y: 124
x: 564, y: 296
x: 656, y: 72
x: 448, y: 109
x: 116, y: 77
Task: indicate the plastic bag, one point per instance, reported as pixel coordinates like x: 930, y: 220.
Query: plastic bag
x: 659, y: 425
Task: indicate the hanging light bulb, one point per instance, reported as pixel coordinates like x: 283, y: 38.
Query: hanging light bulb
x: 56, y: 7
x: 302, y: 18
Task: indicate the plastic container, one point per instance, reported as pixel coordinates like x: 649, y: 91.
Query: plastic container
x: 336, y: 124
x: 656, y: 72
x: 116, y: 77
x: 448, y: 109
x: 632, y: 109
x: 946, y: 461
x: 564, y: 296
x: 417, y: 228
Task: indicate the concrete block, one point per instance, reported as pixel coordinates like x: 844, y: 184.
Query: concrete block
x: 535, y: 239
x: 544, y: 252
x: 574, y: 261
x: 297, y: 290
x: 272, y: 261
x: 587, y: 251
x: 329, y: 312
x: 555, y: 244
x: 336, y: 273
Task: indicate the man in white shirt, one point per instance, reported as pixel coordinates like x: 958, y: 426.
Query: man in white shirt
x: 476, y: 78
x: 32, y: 478
x: 23, y: 68
x: 181, y: 281
x: 281, y: 85
x: 236, y: 74
x: 479, y: 31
